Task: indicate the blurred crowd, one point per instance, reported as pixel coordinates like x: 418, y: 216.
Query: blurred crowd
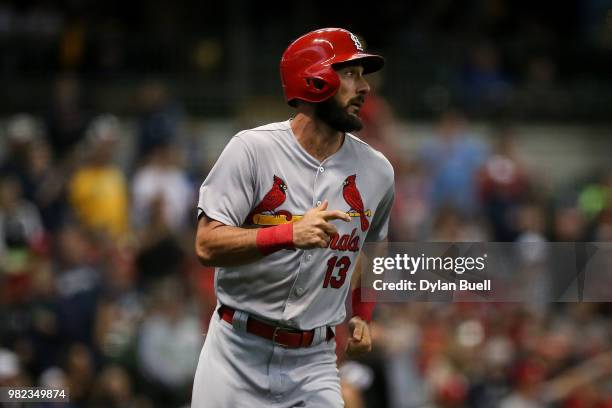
x: 100, y: 291
x: 456, y: 187
x: 484, y: 355
x: 491, y: 56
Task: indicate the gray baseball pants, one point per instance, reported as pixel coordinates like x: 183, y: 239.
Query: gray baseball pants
x: 239, y: 369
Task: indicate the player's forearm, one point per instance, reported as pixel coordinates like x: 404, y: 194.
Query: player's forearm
x: 227, y: 246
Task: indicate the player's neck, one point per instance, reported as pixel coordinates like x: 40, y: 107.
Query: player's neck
x: 315, y: 136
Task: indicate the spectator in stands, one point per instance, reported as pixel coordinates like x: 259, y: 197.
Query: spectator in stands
x: 114, y: 389
x: 169, y: 339
x: 23, y: 132
x: 98, y: 189
x: 10, y: 370
x: 121, y: 306
x: 20, y: 222
x: 452, y: 159
x: 503, y: 185
x: 77, y: 286
x: 30, y: 159
x: 162, y: 181
x: 80, y: 373
x: 47, y: 185
x: 160, y: 118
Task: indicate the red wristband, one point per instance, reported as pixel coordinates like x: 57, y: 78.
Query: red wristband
x: 272, y: 239
x: 361, y: 308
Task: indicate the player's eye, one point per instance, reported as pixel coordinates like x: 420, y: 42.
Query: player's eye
x: 348, y: 72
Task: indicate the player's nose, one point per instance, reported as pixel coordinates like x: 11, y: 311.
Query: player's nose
x: 363, y: 87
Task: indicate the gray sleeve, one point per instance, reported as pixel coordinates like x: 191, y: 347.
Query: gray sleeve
x: 227, y: 193
x: 380, y: 223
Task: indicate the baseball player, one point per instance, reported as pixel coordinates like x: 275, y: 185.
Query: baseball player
x: 282, y: 216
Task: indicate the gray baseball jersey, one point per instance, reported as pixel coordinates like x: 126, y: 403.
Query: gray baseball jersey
x: 265, y: 177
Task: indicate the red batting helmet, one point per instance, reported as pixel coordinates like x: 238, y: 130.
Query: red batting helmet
x: 307, y: 65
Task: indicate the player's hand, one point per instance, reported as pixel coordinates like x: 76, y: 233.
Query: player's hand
x: 313, y: 230
x: 360, y: 341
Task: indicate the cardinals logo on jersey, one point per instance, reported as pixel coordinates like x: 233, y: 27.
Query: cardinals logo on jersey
x: 273, y: 199
x: 353, y: 198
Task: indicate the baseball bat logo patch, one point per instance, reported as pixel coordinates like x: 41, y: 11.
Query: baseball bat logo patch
x: 273, y: 199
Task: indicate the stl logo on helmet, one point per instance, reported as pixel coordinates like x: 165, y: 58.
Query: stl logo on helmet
x: 357, y: 42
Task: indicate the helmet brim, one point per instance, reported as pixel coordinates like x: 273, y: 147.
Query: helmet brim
x: 370, y: 62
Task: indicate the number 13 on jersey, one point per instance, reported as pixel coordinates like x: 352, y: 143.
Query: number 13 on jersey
x: 341, y: 267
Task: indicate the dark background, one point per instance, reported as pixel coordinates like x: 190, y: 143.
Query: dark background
x: 217, y: 56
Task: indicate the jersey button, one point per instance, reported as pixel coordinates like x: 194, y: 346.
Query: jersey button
x: 309, y: 257
x: 299, y: 291
x: 318, y: 203
x: 321, y: 169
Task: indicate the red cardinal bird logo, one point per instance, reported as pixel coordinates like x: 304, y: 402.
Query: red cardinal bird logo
x: 272, y: 200
x: 353, y: 198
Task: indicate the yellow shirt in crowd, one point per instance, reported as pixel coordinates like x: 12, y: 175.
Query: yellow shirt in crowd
x: 99, y: 197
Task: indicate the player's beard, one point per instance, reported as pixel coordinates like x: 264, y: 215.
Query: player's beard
x: 336, y: 116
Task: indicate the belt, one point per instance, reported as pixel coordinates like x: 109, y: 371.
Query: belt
x: 280, y: 336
